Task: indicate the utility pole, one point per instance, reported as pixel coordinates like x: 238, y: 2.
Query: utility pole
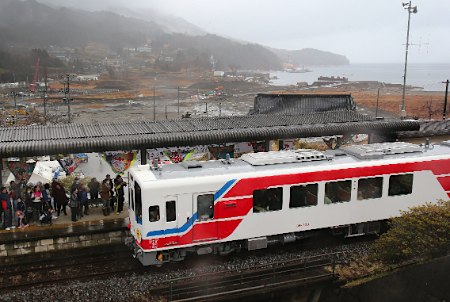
x: 411, y: 9
x: 154, y: 104
x: 445, y: 99
x: 178, y: 98
x: 378, y: 98
x: 67, y: 96
x: 15, y: 108
x: 45, y: 95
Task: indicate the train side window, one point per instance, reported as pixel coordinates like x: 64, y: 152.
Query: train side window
x: 153, y: 213
x: 171, y: 213
x: 131, y: 198
x: 338, y: 191
x: 205, y: 206
x: 369, y: 188
x: 138, y: 203
x: 267, y: 200
x: 400, y: 184
x: 303, y: 196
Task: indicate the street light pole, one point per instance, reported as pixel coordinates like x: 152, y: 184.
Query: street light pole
x: 411, y: 9
x: 67, y: 96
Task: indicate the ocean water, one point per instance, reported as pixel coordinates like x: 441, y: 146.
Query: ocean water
x: 427, y: 76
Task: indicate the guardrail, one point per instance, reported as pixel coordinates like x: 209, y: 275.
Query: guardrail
x: 239, y: 282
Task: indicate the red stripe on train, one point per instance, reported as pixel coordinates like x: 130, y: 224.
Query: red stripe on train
x: 232, y: 208
x: 201, y: 232
x: 445, y: 182
x: 246, y: 186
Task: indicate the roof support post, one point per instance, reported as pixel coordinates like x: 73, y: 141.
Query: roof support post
x: 143, y: 156
x: 1, y: 170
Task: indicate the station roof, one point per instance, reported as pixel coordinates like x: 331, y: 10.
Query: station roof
x: 133, y: 135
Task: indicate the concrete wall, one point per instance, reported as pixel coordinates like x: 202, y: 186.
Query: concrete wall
x: 60, y: 243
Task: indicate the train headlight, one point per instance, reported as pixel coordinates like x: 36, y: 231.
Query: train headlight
x: 138, y: 235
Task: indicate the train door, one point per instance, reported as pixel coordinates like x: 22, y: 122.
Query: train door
x: 205, y: 225
x: 131, y: 205
x: 171, y: 230
x: 136, y: 211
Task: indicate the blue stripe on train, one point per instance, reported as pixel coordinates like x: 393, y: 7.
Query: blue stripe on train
x: 222, y: 190
x: 181, y: 229
x: 191, y: 220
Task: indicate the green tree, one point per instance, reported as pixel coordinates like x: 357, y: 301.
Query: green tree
x: 421, y: 233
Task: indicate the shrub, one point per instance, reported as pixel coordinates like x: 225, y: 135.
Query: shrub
x: 423, y: 232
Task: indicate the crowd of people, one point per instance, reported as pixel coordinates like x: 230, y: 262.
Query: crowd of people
x: 22, y: 205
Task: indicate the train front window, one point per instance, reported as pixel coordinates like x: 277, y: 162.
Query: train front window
x: 153, y: 213
x: 400, y: 184
x: 171, y: 211
x: 369, y: 188
x: 338, y: 191
x: 205, y: 206
x: 303, y: 196
x: 138, y: 202
x: 267, y: 200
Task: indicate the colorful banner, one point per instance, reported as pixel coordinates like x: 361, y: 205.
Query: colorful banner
x: 120, y: 161
x: 21, y: 170
x: 218, y: 152
x: 178, y: 156
x: 68, y: 164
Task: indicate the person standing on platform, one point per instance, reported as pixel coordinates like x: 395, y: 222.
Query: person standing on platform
x: 46, y: 196
x: 74, y: 204
x: 6, y: 208
x: 94, y: 188
x: 84, y: 201
x: 111, y: 193
x: 36, y: 197
x: 105, y: 194
x: 15, y: 193
x: 119, y: 183
x: 59, y: 196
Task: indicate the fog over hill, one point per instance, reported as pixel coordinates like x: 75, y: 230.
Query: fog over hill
x: 31, y: 24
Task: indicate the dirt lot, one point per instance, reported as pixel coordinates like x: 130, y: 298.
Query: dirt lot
x: 156, y: 96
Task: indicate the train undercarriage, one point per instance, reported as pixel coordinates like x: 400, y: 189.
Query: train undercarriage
x: 157, y: 258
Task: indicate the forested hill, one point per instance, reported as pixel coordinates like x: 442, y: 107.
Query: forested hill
x: 311, y: 57
x: 28, y: 24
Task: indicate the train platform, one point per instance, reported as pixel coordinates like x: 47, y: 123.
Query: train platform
x: 63, y: 226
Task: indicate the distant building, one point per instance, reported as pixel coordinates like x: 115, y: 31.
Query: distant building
x: 85, y: 78
x: 301, y: 103
x: 219, y: 73
x: 144, y: 48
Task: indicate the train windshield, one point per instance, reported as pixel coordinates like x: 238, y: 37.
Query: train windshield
x: 138, y: 202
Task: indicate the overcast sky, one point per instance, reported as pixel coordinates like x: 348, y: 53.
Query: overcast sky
x: 364, y: 31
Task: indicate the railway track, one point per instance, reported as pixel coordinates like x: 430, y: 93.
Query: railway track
x: 80, y: 265
x: 239, y: 283
x: 207, y: 277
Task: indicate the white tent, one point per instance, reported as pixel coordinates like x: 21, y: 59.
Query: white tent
x: 45, y: 171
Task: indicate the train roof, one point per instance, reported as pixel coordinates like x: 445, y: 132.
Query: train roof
x: 295, y: 159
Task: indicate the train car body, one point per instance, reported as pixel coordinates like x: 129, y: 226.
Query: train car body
x: 263, y: 198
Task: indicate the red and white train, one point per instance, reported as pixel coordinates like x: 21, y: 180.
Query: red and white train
x: 268, y: 197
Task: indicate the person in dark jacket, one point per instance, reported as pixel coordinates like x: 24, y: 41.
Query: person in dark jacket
x: 84, y: 201
x: 4, y: 204
x: 119, y: 184
x: 105, y: 194
x: 46, y: 196
x: 7, y: 204
x: 111, y: 193
x: 20, y: 213
x: 94, y: 188
x: 59, y: 195
x: 74, y: 204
